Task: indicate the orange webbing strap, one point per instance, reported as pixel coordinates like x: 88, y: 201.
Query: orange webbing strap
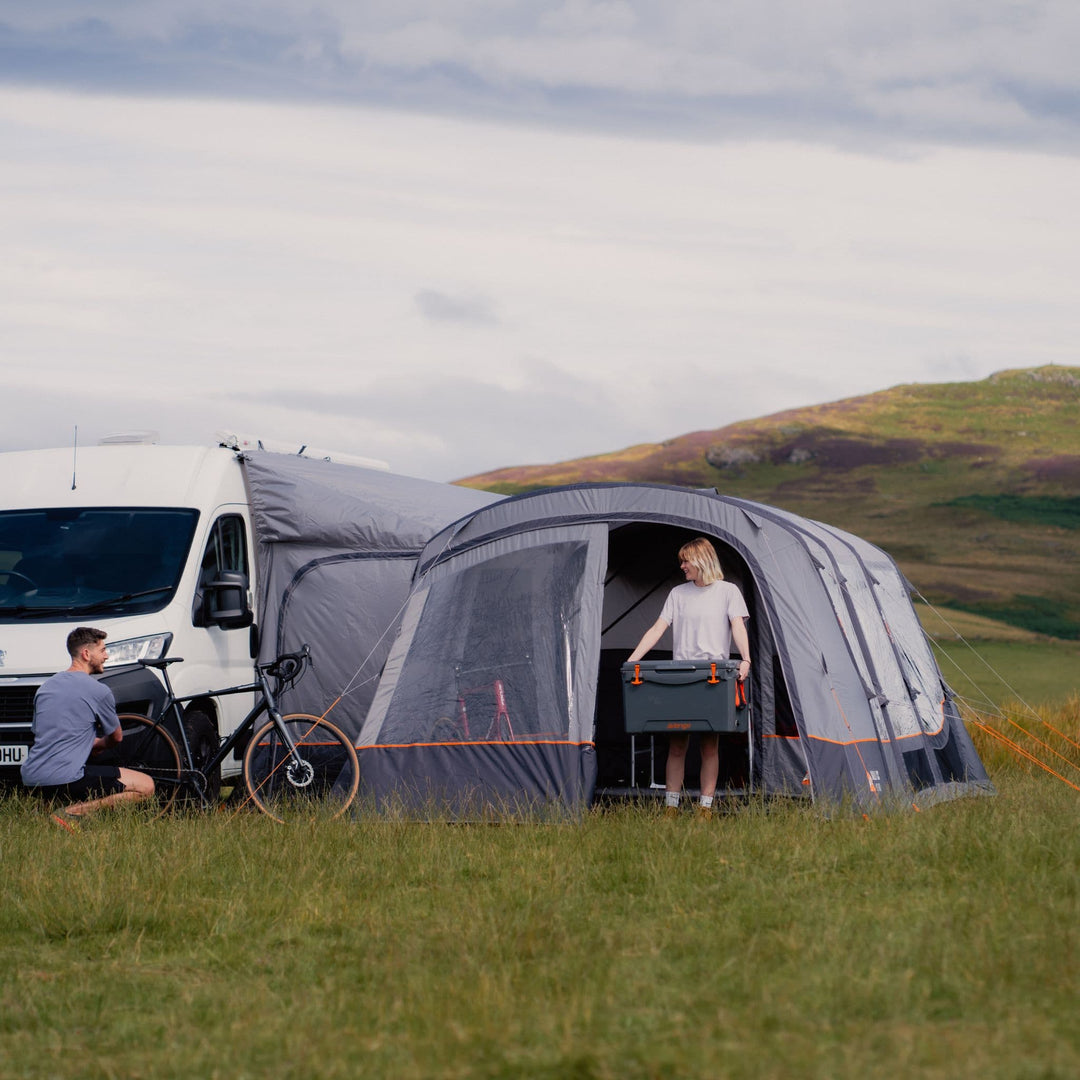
x: 1020, y: 751
x: 1060, y: 734
x: 740, y: 693
x: 1045, y: 746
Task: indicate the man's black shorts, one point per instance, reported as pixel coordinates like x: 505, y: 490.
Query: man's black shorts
x: 96, y: 782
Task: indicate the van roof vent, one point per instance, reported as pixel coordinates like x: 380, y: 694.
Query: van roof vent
x: 129, y: 438
x: 236, y: 441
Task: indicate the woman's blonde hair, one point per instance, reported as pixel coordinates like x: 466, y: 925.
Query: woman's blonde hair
x: 702, y: 554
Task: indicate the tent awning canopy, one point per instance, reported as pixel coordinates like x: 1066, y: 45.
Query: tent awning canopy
x: 543, y: 592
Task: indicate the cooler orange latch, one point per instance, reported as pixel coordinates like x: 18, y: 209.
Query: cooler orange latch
x: 712, y: 677
x: 636, y: 680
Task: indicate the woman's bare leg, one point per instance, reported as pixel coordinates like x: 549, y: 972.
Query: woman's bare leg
x: 676, y: 762
x: 710, y: 763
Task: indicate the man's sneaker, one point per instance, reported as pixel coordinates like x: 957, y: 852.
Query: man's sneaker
x: 671, y: 811
x: 66, y: 821
x: 703, y: 813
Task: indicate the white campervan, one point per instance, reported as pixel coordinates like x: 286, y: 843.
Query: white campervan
x: 151, y: 544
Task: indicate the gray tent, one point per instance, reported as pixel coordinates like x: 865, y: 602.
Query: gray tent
x: 503, y: 684
x: 336, y: 549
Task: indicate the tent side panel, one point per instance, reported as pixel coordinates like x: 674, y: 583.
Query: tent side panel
x: 837, y: 769
x: 499, y: 648
x: 956, y: 759
x: 347, y: 608
x: 941, y: 752
x: 478, y: 779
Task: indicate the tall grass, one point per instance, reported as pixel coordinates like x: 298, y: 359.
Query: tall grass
x: 776, y: 940
x: 1030, y: 738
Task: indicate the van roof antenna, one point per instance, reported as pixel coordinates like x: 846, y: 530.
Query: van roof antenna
x: 74, y: 456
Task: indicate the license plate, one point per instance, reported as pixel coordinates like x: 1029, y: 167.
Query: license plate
x: 13, y: 755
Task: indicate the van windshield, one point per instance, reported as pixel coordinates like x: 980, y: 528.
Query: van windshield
x: 65, y: 563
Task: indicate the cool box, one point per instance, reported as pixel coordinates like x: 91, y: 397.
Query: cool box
x: 683, y: 695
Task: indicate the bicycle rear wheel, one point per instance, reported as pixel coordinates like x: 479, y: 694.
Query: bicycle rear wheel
x: 148, y: 748
x: 321, y: 778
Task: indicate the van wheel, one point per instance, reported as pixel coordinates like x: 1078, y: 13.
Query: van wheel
x: 202, y: 735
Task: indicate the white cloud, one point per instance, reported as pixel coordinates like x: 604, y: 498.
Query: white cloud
x: 445, y: 307
x: 457, y: 296
x: 577, y: 17
x: 984, y: 70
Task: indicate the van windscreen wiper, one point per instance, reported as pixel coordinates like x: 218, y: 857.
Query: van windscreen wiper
x: 114, y: 601
x: 28, y: 611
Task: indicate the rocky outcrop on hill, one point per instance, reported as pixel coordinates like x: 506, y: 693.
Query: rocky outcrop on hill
x: 930, y: 472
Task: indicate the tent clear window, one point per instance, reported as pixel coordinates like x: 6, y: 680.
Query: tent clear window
x: 494, y: 655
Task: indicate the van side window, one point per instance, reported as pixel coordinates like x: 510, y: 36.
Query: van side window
x: 226, y: 549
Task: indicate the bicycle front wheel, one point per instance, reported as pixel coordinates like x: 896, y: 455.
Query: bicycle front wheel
x: 148, y: 748
x: 321, y: 775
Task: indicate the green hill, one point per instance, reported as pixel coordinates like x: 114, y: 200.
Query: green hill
x: 973, y: 487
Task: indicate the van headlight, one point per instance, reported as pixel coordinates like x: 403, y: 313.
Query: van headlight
x: 130, y: 650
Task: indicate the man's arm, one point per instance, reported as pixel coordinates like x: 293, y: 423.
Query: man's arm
x: 109, y: 723
x: 103, y: 742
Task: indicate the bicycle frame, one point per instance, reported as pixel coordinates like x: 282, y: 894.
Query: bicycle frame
x: 172, y: 706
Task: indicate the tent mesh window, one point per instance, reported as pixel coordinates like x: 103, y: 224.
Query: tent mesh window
x: 494, y: 654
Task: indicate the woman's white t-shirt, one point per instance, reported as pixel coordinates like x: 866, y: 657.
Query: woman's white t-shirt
x: 700, y: 619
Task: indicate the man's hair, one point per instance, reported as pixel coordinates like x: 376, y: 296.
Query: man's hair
x: 702, y: 554
x: 82, y: 636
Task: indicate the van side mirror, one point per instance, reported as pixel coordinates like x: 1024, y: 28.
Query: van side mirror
x: 225, y: 602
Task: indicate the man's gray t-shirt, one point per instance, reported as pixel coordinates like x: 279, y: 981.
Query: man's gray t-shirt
x: 70, y: 710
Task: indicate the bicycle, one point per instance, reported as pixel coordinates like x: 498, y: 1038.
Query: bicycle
x: 292, y: 764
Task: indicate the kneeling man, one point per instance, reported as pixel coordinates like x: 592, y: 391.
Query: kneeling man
x: 74, y: 719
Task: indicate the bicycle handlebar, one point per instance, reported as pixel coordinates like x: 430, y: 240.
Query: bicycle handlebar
x: 288, y: 665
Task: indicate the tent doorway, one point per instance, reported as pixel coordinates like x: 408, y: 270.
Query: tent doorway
x: 642, y: 568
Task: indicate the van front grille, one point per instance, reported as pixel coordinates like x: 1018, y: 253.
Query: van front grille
x: 17, y: 704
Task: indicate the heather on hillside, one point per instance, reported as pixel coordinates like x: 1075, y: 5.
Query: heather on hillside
x: 971, y: 487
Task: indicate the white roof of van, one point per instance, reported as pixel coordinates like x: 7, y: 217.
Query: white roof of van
x: 123, y: 475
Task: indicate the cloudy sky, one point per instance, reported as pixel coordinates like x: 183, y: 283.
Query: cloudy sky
x: 463, y: 234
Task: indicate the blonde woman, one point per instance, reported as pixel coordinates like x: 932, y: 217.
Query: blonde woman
x: 706, y: 615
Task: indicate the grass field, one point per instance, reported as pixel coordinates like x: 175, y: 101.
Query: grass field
x: 774, y: 941
x: 990, y: 664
